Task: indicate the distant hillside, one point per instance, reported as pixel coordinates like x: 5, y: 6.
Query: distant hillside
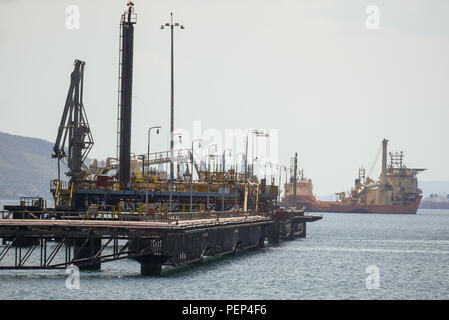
x: 26, y: 167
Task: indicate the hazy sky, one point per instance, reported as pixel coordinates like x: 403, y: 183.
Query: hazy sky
x: 310, y: 69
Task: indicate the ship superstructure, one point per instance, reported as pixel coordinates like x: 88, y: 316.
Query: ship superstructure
x: 304, y: 190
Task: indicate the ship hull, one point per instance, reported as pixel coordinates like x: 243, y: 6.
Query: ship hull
x: 332, y: 206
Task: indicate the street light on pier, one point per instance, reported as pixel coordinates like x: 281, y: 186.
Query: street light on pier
x: 209, y: 156
x: 224, y: 158
x: 271, y: 165
x: 191, y: 173
x: 149, y: 132
x: 223, y: 177
x: 237, y: 161
x: 258, y: 133
x: 172, y: 124
x: 279, y: 187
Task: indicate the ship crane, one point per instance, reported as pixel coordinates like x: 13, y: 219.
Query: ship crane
x: 74, y: 127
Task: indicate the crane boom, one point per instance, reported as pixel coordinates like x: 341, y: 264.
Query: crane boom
x: 74, y: 127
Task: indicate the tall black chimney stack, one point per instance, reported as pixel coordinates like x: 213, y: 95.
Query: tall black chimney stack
x: 125, y: 88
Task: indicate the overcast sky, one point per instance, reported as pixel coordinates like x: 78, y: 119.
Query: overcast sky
x: 312, y: 70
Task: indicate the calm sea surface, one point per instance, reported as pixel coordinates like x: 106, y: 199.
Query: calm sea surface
x: 410, y: 252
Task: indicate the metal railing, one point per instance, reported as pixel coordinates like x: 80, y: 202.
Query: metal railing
x: 6, y: 214
x: 118, y: 213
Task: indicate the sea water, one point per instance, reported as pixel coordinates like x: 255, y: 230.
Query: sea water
x: 344, y: 256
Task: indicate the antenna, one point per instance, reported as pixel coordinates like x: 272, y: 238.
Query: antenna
x: 362, y: 175
x: 396, y: 160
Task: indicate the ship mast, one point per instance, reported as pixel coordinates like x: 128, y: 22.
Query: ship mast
x: 383, y: 174
x: 295, y: 177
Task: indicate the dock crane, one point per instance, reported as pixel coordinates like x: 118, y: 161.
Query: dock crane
x: 74, y: 128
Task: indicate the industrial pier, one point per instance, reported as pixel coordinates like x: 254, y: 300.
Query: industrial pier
x: 125, y: 208
x: 152, y: 244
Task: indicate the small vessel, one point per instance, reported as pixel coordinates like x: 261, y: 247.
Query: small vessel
x: 436, y: 201
x: 396, y: 191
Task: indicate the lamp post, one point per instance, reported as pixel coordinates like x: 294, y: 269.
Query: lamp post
x: 209, y: 155
x: 237, y: 160
x: 191, y: 173
x: 254, y: 154
x: 237, y: 171
x: 253, y: 160
x: 273, y: 173
x: 148, y: 159
x: 172, y: 124
x: 257, y: 133
x: 253, y: 157
x: 179, y: 154
x: 213, y: 157
x: 271, y: 165
x: 224, y: 158
x: 223, y: 177
x: 148, y: 147
x: 280, y: 169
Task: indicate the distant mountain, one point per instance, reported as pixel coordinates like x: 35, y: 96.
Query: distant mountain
x: 26, y: 167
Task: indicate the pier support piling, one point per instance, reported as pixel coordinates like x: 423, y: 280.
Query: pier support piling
x: 87, y: 248
x: 151, y: 265
x: 273, y: 233
x: 302, y: 226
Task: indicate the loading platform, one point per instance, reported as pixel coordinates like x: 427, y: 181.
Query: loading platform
x: 125, y: 208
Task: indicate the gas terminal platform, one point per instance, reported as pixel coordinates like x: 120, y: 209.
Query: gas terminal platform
x: 125, y: 209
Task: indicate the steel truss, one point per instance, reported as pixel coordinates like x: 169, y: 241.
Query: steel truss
x: 22, y: 249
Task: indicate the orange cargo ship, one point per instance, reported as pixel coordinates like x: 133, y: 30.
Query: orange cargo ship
x: 396, y: 191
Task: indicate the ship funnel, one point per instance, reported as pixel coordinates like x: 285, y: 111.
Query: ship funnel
x: 383, y: 174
